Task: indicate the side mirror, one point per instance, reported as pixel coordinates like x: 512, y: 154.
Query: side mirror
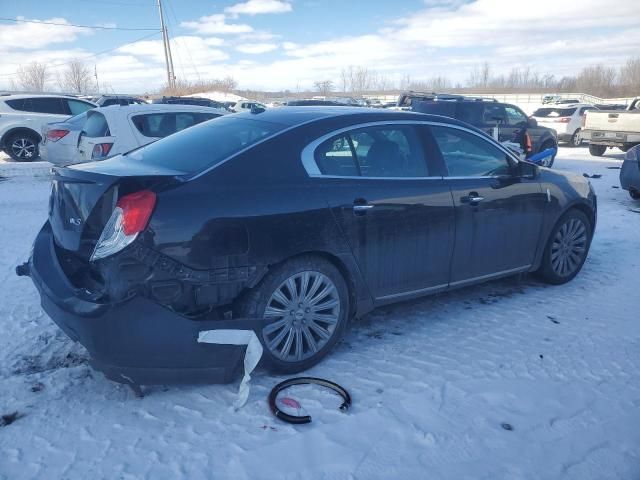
x: 532, y: 122
x: 527, y: 170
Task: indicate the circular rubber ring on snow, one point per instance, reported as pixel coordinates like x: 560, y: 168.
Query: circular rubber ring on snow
x: 298, y: 420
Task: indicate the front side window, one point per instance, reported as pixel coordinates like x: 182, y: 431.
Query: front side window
x: 468, y: 155
x: 375, y: 152
x: 515, y: 117
x: 49, y: 105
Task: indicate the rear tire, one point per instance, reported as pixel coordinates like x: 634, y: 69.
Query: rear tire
x: 566, y: 249
x: 304, y: 304
x: 597, y: 150
x: 635, y: 194
x: 22, y: 147
x: 575, y: 140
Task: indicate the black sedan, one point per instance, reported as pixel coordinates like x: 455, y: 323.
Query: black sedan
x: 289, y: 222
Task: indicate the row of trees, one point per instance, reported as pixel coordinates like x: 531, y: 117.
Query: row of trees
x: 34, y: 77
x: 598, y: 80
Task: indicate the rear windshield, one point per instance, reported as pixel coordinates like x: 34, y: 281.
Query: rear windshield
x: 96, y: 126
x: 205, y: 145
x: 554, y: 112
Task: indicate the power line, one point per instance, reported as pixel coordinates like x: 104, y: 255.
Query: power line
x: 19, y: 20
x: 92, y: 55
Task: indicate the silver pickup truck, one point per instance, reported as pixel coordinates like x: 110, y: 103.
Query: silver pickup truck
x: 612, y: 128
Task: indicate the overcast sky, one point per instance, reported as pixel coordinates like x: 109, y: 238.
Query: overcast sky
x: 288, y: 44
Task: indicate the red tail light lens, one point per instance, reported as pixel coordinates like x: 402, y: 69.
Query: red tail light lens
x: 101, y: 150
x: 55, y: 135
x: 127, y: 220
x: 564, y: 119
x: 136, y: 210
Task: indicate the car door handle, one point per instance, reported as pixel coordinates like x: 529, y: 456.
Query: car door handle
x: 473, y: 198
x: 360, y: 206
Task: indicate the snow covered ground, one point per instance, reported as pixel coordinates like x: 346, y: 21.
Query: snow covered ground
x: 433, y: 381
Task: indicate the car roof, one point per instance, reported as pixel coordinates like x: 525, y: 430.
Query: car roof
x: 293, y: 116
x: 155, y: 107
x: 18, y: 96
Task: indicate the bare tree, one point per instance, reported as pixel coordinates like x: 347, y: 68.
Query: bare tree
x: 629, y: 77
x: 76, y: 78
x: 324, y: 87
x: 33, y: 77
x: 480, y: 76
x: 596, y: 80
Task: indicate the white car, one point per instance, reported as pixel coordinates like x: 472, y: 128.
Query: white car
x: 22, y: 118
x: 566, y: 120
x: 117, y: 129
x: 59, y: 142
x: 245, y: 105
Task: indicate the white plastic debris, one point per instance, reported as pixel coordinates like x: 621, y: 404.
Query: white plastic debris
x: 251, y: 357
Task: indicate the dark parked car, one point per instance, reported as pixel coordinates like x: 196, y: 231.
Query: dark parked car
x: 513, y: 123
x: 289, y: 222
x: 123, y: 100
x: 200, y: 101
x: 630, y: 172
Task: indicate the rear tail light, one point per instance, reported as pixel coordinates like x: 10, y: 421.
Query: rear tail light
x: 128, y: 219
x: 564, y: 119
x: 55, y: 135
x: 583, y: 121
x: 101, y: 150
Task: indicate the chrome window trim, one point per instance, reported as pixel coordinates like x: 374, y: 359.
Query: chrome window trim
x: 311, y: 167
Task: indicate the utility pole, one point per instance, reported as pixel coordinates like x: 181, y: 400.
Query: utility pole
x: 167, y: 49
x: 95, y: 74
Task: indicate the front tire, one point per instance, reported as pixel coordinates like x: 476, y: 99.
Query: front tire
x: 22, y: 147
x: 304, y: 304
x: 635, y: 194
x: 566, y: 249
x: 597, y: 150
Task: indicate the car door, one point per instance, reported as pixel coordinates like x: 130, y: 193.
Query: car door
x: 499, y: 214
x: 516, y: 126
x: 396, y: 214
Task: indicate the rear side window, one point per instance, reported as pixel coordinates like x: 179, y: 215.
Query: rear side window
x: 96, y: 126
x: 379, y: 152
x: 469, y: 155
x: 206, y: 145
x: 164, y: 124
x: 50, y: 105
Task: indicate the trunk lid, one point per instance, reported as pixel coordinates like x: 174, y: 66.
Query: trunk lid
x: 84, y: 196
x: 613, y: 120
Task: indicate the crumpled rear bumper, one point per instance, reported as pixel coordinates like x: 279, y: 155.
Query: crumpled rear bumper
x: 136, y: 341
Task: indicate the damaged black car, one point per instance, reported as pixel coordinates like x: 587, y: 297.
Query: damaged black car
x: 289, y: 222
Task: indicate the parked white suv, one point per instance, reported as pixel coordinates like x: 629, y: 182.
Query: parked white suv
x: 566, y: 120
x: 113, y: 130
x: 23, y: 116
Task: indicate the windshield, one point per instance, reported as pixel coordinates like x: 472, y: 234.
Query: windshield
x: 205, y: 145
x: 554, y: 112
